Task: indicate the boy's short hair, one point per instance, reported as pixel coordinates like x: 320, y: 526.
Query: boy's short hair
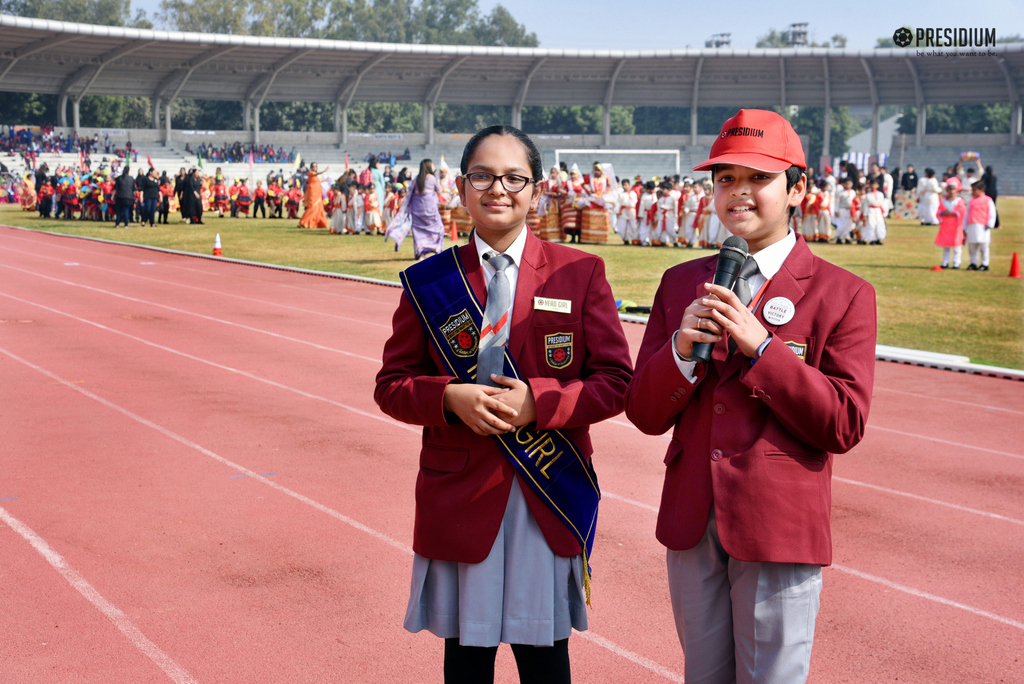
x: 649, y: 185
x: 978, y: 185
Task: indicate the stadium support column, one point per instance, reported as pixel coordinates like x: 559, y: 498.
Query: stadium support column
x: 1015, y: 123
x: 517, y: 116
x: 246, y: 109
x: 75, y: 112
x: 341, y: 123
x: 167, y: 123
x: 606, y: 123
x: 256, y: 124
x: 826, y: 138
x: 156, y: 113
x: 693, y: 102
x: 428, y: 123
x: 62, y: 111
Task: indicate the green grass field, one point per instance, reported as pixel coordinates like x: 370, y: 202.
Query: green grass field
x: 980, y: 315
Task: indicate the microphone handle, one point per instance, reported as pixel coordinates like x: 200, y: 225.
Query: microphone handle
x: 725, y: 275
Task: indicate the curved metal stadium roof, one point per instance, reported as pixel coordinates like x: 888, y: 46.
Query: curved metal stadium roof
x: 73, y: 59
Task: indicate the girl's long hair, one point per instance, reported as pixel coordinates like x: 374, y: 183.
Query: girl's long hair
x: 426, y: 168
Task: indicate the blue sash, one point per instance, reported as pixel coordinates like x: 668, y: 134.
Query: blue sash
x: 546, y: 459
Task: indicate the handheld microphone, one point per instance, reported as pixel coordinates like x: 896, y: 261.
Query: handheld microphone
x: 730, y: 259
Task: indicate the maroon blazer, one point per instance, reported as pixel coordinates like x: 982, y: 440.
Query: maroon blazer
x: 464, y: 480
x: 757, y: 440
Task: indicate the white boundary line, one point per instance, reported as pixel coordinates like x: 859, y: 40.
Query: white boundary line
x: 947, y: 442
x: 379, y: 536
x: 911, y: 357
x: 173, y: 670
x: 926, y: 595
x: 308, y: 395
x: 193, y: 313
x: 937, y: 502
x: 215, y: 293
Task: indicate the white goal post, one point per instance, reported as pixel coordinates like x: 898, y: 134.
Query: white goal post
x: 573, y: 151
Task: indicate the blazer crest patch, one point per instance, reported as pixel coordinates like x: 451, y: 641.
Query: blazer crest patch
x: 558, y: 349
x: 461, y: 333
x: 798, y: 349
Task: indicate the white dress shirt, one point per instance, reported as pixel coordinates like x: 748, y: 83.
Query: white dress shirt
x: 515, y: 252
x: 769, y: 261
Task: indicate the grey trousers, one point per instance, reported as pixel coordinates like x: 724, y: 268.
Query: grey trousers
x: 740, y: 622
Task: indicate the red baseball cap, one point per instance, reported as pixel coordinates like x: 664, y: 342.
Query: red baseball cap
x: 757, y: 139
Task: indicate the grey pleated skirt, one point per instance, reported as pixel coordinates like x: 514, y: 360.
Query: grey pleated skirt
x: 522, y: 593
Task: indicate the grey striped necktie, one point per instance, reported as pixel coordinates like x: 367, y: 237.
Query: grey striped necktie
x: 494, y: 336
x: 742, y: 287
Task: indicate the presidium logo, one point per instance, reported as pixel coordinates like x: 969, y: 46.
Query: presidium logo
x: 944, y: 37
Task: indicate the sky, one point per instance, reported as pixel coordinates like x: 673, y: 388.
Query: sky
x: 674, y: 24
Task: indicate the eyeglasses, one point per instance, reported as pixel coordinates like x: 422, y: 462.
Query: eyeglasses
x: 482, y: 181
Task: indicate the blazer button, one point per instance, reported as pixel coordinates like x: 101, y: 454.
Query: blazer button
x: 719, y: 409
x: 674, y: 398
x: 716, y: 455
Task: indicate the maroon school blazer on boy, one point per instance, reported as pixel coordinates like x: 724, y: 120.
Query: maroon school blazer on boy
x: 758, y: 441
x: 464, y: 480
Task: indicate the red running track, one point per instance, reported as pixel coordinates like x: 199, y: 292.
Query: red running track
x: 196, y: 486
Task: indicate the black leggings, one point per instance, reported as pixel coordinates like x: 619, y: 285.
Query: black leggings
x: 537, y: 664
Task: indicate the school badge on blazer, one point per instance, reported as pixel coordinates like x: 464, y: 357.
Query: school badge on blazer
x: 558, y: 349
x: 799, y: 349
x: 461, y: 333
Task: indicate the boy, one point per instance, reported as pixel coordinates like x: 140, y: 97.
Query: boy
x: 647, y: 213
x: 627, y: 226
x: 746, y: 500
x: 978, y: 223
x: 845, y: 199
x: 667, y: 220
x: 873, y: 210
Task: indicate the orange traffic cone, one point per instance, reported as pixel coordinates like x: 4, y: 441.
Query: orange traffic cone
x: 1015, y: 266
x: 453, y: 234
x: 216, y: 245
x: 936, y: 268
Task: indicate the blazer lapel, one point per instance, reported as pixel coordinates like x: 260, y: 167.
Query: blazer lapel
x: 787, y: 283
x: 528, y: 283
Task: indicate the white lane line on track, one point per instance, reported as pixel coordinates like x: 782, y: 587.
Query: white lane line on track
x: 197, y: 315
x: 855, y: 482
x: 925, y: 595
x: 217, y: 293
x: 308, y: 395
x: 206, y: 272
x: 947, y: 442
x: 173, y: 670
x: 950, y: 401
x: 629, y: 655
x: 380, y: 536
x: 937, y: 502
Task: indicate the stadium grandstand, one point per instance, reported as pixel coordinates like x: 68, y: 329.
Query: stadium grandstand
x: 73, y: 60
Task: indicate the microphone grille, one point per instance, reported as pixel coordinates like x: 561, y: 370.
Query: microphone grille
x: 734, y: 248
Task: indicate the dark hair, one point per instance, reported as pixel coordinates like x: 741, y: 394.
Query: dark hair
x: 929, y: 173
x: 978, y: 185
x: 649, y: 185
x: 373, y: 162
x: 426, y: 167
x: 532, y: 153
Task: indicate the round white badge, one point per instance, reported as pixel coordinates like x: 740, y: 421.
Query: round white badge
x: 779, y: 310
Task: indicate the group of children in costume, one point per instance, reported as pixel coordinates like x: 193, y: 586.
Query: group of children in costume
x: 971, y: 220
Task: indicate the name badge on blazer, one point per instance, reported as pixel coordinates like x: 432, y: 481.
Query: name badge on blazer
x: 556, y: 305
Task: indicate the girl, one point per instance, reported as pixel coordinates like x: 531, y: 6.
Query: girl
x: 427, y: 227
x: 952, y: 211
x: 493, y: 563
